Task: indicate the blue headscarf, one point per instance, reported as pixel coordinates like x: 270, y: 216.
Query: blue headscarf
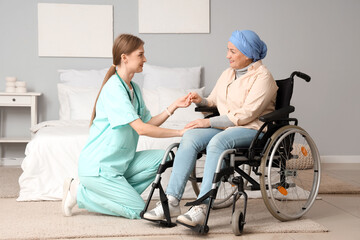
x: 249, y: 43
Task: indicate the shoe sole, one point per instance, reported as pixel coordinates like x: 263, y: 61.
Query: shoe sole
x: 158, y: 219
x: 183, y: 220
x: 66, y: 189
x: 151, y: 218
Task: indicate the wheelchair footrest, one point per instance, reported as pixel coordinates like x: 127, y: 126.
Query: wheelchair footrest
x: 162, y: 223
x: 202, y: 229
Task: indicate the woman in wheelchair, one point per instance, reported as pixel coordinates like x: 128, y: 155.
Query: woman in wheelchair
x: 244, y: 92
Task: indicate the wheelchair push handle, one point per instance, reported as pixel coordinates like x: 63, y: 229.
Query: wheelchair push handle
x: 304, y: 76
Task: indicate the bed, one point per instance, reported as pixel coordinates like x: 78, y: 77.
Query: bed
x: 52, y: 154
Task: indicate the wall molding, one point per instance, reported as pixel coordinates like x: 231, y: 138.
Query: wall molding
x: 340, y: 159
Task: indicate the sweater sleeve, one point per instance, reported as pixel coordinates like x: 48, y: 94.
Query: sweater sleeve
x: 221, y: 122
x: 203, y: 103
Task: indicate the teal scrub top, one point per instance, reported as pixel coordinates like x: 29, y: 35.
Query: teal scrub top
x: 112, y: 142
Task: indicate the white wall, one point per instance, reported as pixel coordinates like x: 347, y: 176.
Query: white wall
x: 320, y: 38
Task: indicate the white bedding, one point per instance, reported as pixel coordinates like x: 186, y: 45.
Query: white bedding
x: 52, y: 155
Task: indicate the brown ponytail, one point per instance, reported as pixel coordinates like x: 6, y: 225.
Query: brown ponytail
x: 123, y: 44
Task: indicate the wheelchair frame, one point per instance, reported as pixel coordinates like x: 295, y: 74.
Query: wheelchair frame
x: 271, y: 151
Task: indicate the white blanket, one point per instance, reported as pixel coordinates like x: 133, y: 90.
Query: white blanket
x: 52, y: 156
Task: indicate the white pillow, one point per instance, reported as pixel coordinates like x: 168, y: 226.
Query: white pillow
x: 75, y: 102
x: 182, y: 78
x: 151, y: 99
x: 82, y: 103
x: 82, y: 78
x: 64, y: 105
x: 169, y: 95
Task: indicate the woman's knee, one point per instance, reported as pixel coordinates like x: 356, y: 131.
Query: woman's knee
x: 217, y: 144
x: 232, y: 138
x: 191, y: 141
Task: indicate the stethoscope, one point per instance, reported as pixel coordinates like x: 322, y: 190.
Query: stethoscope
x: 137, y: 98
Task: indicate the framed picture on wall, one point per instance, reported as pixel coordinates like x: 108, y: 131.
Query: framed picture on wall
x: 174, y: 16
x: 75, y: 30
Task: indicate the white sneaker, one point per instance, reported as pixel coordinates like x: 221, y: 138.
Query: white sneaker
x: 69, y: 198
x: 196, y: 215
x: 158, y: 213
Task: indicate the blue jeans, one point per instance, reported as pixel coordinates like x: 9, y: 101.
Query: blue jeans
x: 195, y: 140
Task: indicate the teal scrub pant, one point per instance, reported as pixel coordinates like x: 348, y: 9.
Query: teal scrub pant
x: 120, y: 195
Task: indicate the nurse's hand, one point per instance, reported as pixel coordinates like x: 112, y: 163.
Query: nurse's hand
x: 182, y: 131
x: 184, y: 101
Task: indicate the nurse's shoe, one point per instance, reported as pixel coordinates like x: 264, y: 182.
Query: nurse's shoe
x: 158, y: 213
x: 69, y: 196
x: 196, y: 215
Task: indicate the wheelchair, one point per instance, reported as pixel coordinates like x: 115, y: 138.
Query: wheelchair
x: 283, y: 164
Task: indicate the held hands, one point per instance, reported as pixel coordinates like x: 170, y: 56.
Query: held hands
x: 183, y: 102
x: 186, y: 100
x: 199, y: 123
x: 182, y: 131
x: 194, y: 97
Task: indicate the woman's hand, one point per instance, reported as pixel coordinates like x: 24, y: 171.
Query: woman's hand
x: 199, y: 123
x: 195, y: 98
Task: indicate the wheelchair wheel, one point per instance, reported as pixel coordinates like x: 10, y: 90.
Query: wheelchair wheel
x: 288, y: 186
x: 224, y: 196
x: 237, y: 222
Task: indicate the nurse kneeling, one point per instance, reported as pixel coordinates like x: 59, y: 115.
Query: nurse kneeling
x: 112, y: 174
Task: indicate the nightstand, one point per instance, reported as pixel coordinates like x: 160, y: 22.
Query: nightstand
x: 28, y: 99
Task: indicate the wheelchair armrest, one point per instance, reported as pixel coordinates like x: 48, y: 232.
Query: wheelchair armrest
x: 212, y: 110
x: 207, y: 109
x: 277, y: 114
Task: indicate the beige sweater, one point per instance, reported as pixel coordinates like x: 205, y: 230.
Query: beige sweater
x: 247, y: 98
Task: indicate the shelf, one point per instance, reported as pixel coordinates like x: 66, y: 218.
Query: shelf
x: 15, y: 140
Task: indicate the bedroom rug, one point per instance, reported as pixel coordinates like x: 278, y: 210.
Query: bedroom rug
x: 9, y: 187
x: 332, y: 185
x: 43, y: 220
